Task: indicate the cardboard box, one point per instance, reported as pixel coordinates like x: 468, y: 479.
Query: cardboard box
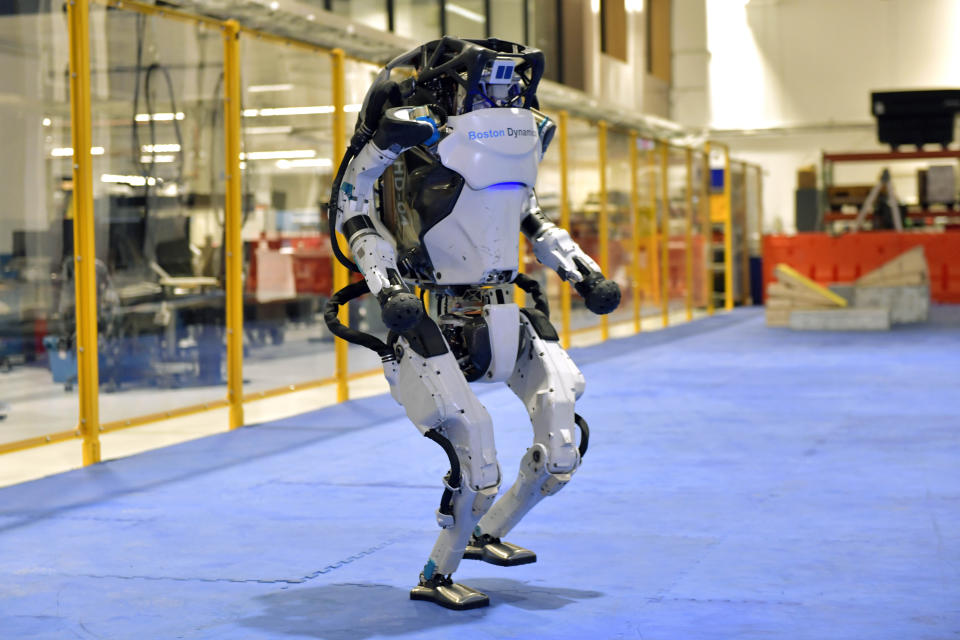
x: 941, y: 185
x: 807, y: 177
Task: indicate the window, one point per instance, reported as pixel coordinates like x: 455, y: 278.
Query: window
x: 466, y: 18
x: 417, y: 19
x: 659, y: 47
x: 613, y: 28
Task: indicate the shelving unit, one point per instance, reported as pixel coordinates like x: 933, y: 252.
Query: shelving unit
x: 830, y: 159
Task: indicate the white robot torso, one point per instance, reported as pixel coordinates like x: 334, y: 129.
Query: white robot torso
x: 497, y: 152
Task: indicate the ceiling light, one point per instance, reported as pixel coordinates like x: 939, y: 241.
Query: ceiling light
x: 267, y: 130
x: 466, y: 13
x: 278, y: 155
x: 305, y: 162
x: 321, y: 109
x: 157, y: 148
x: 263, y: 88
x: 158, y: 117
x: 133, y: 181
x: 47, y: 122
x: 161, y: 158
x: 66, y: 152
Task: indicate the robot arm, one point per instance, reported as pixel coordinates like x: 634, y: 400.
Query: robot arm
x: 397, y: 130
x: 554, y: 248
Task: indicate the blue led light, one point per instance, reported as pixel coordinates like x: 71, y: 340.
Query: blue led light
x: 506, y: 186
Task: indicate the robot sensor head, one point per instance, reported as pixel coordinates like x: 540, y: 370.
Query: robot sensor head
x: 463, y: 75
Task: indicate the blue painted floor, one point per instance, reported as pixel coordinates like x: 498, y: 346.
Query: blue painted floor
x: 742, y: 482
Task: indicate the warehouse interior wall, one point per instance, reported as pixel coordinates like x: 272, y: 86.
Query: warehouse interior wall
x: 781, y: 80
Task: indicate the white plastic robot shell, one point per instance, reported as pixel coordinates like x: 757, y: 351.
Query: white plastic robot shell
x: 492, y: 146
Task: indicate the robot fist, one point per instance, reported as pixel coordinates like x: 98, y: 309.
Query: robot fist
x: 401, y: 310
x: 601, y: 295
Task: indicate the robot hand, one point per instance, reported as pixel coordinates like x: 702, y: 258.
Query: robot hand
x: 601, y: 295
x: 401, y: 310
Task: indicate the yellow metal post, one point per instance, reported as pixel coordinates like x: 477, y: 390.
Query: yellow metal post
x: 604, y: 221
x: 665, y: 235
x: 520, y: 296
x: 652, y: 259
x: 689, y: 234
x: 84, y: 249
x: 233, y: 206
x: 341, y: 276
x: 707, y: 229
x: 562, y: 125
x: 727, y: 233
x: 635, y: 233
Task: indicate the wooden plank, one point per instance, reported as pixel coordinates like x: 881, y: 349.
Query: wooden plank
x: 788, y: 303
x: 861, y: 319
x: 905, y: 280
x: 789, y: 291
x: 791, y: 276
x: 909, y: 262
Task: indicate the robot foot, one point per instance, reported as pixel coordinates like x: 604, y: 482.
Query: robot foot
x: 492, y: 550
x: 445, y: 592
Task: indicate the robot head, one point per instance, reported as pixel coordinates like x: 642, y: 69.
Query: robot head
x: 463, y: 75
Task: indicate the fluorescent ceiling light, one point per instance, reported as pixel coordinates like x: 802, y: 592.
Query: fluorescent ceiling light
x: 263, y: 88
x: 267, y: 130
x: 320, y: 109
x: 66, y: 152
x: 305, y: 162
x: 466, y: 13
x: 159, y: 117
x: 133, y: 181
x: 161, y: 158
x: 634, y: 6
x: 157, y: 148
x: 290, y: 154
x: 47, y: 122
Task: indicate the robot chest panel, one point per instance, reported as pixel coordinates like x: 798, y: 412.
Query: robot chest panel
x: 478, y: 242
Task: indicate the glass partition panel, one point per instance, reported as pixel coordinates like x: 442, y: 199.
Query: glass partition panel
x: 288, y: 165
x: 38, y: 366
x: 739, y: 206
x: 677, y: 229
x: 619, y: 216
x: 701, y: 227
x: 584, y: 205
x: 158, y: 192
x: 652, y: 176
x: 645, y: 225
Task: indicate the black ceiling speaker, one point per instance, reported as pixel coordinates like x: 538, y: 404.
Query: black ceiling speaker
x: 915, y: 117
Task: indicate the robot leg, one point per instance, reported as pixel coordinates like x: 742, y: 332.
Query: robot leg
x: 549, y: 383
x: 427, y: 381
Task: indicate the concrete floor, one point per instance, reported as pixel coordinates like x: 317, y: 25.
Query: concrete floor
x: 741, y: 482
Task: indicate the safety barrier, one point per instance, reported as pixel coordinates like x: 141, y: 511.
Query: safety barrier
x: 845, y: 258
x: 239, y: 323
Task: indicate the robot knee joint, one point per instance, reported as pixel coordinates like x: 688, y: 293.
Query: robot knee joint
x: 553, y: 474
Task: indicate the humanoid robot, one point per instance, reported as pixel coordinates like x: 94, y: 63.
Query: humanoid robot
x: 434, y: 190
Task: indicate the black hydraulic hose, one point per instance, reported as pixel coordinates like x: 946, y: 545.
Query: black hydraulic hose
x: 345, y: 295
x: 532, y: 287
x: 453, y: 478
x: 333, y: 210
x: 584, y: 434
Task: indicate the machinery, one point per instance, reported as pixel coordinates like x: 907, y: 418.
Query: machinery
x: 434, y: 190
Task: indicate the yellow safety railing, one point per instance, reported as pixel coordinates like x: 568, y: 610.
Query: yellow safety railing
x: 643, y: 235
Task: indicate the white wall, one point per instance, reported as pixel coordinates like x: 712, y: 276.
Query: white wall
x: 808, y: 67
